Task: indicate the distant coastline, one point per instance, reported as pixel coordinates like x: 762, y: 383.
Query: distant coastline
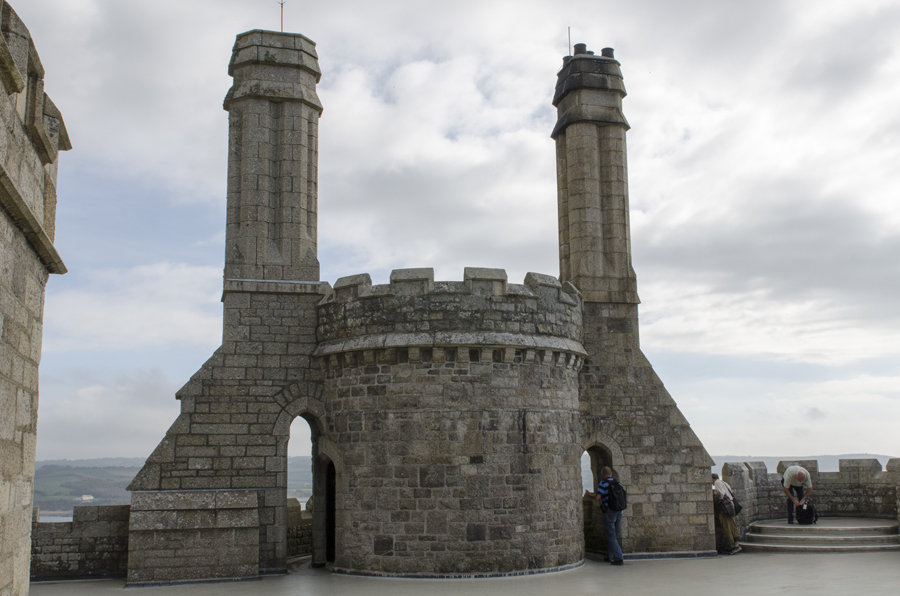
x: 60, y: 483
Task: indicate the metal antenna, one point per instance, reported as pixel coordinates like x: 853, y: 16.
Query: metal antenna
x: 281, y: 2
x: 570, y: 40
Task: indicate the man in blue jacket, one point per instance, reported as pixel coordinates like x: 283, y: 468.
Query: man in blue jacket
x: 612, y: 520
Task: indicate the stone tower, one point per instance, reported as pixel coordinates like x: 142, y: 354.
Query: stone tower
x: 273, y: 115
x: 630, y: 421
x: 32, y: 135
x: 456, y: 416
x: 211, y: 498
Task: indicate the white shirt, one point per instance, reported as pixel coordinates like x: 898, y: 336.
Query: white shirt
x: 723, y: 489
x: 790, y: 477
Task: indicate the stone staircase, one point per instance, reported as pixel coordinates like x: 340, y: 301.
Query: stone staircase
x: 830, y: 534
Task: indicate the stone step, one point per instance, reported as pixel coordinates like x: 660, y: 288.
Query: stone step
x: 824, y: 540
x: 825, y: 531
x: 885, y: 528
x: 794, y: 548
x: 828, y: 535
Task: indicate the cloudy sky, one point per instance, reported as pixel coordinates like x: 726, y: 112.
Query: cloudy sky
x: 763, y: 180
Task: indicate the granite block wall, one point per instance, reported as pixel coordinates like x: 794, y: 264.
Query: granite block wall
x: 193, y: 535
x: 299, y: 530
x: 594, y: 531
x: 454, y: 406
x: 93, y: 545
x: 637, y: 429
x: 32, y: 134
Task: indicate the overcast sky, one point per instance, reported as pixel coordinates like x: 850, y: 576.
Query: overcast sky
x: 763, y: 179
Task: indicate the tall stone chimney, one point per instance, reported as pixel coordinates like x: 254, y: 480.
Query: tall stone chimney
x: 272, y: 158
x: 592, y: 178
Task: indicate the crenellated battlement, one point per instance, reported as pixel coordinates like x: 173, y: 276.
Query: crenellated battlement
x: 860, y: 488
x: 476, y: 282
x: 484, y: 311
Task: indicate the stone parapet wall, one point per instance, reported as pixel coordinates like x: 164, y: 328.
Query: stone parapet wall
x: 594, y: 530
x: 193, y: 535
x: 299, y: 530
x: 93, y: 545
x: 859, y: 489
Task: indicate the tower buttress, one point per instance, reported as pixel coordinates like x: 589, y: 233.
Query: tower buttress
x: 273, y: 114
x: 592, y: 178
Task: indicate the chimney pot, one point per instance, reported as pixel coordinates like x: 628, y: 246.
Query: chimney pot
x: 580, y: 48
x: 607, y: 53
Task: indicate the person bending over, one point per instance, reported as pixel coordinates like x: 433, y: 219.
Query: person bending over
x: 796, y: 480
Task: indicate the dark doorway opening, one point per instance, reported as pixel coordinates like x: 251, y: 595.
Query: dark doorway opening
x: 330, y: 490
x: 594, y: 532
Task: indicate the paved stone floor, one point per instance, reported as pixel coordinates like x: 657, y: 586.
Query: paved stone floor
x: 743, y: 574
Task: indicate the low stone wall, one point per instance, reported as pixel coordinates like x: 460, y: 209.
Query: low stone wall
x: 859, y: 489
x: 594, y: 531
x: 94, y: 544
x: 299, y: 529
x: 193, y: 535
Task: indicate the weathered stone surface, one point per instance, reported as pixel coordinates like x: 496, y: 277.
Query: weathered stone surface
x: 299, y: 530
x: 32, y: 134
x: 93, y: 545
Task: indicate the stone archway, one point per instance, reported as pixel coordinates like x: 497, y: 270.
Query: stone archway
x: 296, y: 402
x: 603, y: 451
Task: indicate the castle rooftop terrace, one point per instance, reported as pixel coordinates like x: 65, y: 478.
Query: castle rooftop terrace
x: 744, y: 574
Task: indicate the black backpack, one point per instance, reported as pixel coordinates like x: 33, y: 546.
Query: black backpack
x: 617, y: 498
x: 807, y: 514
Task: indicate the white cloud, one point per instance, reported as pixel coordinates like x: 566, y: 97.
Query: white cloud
x: 84, y: 415
x: 754, y: 416
x: 146, y: 305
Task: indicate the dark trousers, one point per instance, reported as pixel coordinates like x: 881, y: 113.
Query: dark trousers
x: 797, y: 492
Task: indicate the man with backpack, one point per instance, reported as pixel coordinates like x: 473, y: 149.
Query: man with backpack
x: 613, y: 500
x: 796, y: 480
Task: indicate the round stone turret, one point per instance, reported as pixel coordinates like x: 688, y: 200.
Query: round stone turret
x: 455, y: 405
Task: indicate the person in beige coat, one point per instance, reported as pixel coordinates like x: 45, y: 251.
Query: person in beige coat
x: 723, y: 502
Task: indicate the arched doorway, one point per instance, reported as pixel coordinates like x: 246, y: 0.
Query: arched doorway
x: 598, y: 456
x: 311, y: 490
x: 299, y: 488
